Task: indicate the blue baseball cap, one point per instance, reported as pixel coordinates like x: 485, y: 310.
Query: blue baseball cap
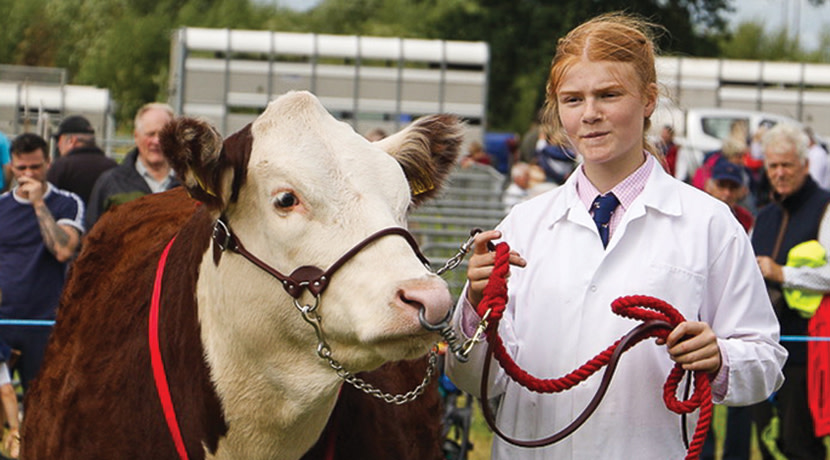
x: 726, y: 170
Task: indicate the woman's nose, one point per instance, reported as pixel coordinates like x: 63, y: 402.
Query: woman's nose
x: 591, y: 113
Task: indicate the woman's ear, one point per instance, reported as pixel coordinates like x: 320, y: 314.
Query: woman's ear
x: 652, y: 93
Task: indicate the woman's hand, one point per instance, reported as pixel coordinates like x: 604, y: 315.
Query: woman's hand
x: 481, y: 264
x: 694, y: 345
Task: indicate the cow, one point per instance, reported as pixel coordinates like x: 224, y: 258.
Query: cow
x: 273, y: 269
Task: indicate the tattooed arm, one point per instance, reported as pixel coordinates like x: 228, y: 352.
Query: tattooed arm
x: 61, y: 240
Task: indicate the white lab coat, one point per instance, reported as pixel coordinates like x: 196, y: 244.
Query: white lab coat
x: 675, y: 243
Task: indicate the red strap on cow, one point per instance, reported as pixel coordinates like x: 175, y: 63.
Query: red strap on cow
x: 658, y: 319
x: 159, y: 376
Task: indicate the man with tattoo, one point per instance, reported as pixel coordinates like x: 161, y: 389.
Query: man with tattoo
x: 40, y: 229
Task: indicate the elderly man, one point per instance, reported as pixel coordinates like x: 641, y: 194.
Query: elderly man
x: 81, y: 162
x: 797, y: 214
x: 40, y: 229
x: 144, y: 169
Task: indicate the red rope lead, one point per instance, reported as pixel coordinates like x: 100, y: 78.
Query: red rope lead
x: 643, y: 308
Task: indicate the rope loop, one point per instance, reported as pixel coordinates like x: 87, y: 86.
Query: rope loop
x: 658, y: 317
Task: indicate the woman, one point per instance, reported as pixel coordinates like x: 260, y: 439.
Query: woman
x: 665, y: 239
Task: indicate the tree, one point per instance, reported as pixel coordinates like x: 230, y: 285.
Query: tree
x: 124, y: 45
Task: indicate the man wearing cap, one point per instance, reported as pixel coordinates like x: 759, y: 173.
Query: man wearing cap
x: 144, y: 170
x: 728, y: 184
x: 80, y: 161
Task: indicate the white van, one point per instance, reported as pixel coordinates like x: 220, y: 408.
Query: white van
x: 705, y: 129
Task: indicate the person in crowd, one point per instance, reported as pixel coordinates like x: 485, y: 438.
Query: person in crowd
x: 614, y: 229
x: 517, y: 191
x: 668, y: 148
x: 40, y: 229
x: 530, y: 139
x: 556, y: 159
x: 375, y: 134
x: 80, y: 161
x: 733, y: 149
x: 8, y: 397
x: 797, y: 213
x: 476, y: 155
x: 144, y: 170
x: 728, y: 184
x: 5, y: 163
x: 819, y: 163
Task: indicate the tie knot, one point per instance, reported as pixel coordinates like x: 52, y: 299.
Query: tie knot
x: 603, y: 207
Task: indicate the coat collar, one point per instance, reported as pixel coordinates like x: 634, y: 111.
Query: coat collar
x: 660, y: 194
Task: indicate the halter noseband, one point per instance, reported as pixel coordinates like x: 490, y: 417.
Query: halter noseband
x: 306, y: 277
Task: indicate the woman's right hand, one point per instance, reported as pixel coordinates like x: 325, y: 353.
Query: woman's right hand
x: 481, y: 264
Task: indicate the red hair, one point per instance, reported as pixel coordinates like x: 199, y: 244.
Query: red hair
x: 612, y: 37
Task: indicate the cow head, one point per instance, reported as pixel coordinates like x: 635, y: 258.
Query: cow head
x: 301, y: 188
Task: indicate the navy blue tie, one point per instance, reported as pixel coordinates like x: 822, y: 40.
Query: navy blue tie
x: 603, y: 207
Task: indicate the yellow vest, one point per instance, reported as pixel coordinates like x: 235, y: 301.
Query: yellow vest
x: 807, y: 254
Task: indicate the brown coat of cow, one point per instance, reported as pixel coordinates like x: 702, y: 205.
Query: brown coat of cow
x: 363, y: 427
x: 97, y: 369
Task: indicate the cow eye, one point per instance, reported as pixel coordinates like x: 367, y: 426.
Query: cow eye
x: 285, y: 200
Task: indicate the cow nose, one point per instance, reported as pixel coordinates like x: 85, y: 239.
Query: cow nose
x: 430, y: 296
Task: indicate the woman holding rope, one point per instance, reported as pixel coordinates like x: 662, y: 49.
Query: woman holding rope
x: 619, y: 226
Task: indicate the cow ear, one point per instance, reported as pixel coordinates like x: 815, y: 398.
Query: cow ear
x: 426, y: 150
x: 194, y: 150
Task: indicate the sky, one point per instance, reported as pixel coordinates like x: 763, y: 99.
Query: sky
x: 797, y: 14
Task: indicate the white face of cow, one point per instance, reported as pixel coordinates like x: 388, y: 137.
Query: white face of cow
x: 302, y: 189
x: 315, y: 189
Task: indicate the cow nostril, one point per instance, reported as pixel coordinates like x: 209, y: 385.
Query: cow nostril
x: 414, y: 303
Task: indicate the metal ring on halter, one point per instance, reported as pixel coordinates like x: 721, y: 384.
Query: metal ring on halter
x: 307, y: 308
x: 221, y: 234
x: 440, y: 325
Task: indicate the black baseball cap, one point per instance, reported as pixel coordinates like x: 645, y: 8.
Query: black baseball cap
x: 74, y: 124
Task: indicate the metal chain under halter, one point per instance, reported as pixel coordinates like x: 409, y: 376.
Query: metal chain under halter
x: 461, y: 350
x: 310, y: 315
x: 456, y: 260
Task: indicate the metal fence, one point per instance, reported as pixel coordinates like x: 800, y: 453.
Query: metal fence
x: 472, y: 199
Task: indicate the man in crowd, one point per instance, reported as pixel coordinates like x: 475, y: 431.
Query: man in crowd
x: 728, y: 184
x: 80, y: 161
x: 796, y: 214
x: 40, y: 228
x: 144, y: 170
x: 819, y: 161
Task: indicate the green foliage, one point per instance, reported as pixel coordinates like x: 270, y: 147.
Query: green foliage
x: 127, y: 60
x: 751, y: 40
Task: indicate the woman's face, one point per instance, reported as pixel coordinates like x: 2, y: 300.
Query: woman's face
x: 602, y: 112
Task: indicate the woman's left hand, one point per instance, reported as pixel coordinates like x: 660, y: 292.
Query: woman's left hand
x: 694, y: 345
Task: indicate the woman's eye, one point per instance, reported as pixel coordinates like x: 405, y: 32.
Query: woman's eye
x: 285, y: 200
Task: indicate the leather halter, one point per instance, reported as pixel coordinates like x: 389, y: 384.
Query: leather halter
x: 306, y: 277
